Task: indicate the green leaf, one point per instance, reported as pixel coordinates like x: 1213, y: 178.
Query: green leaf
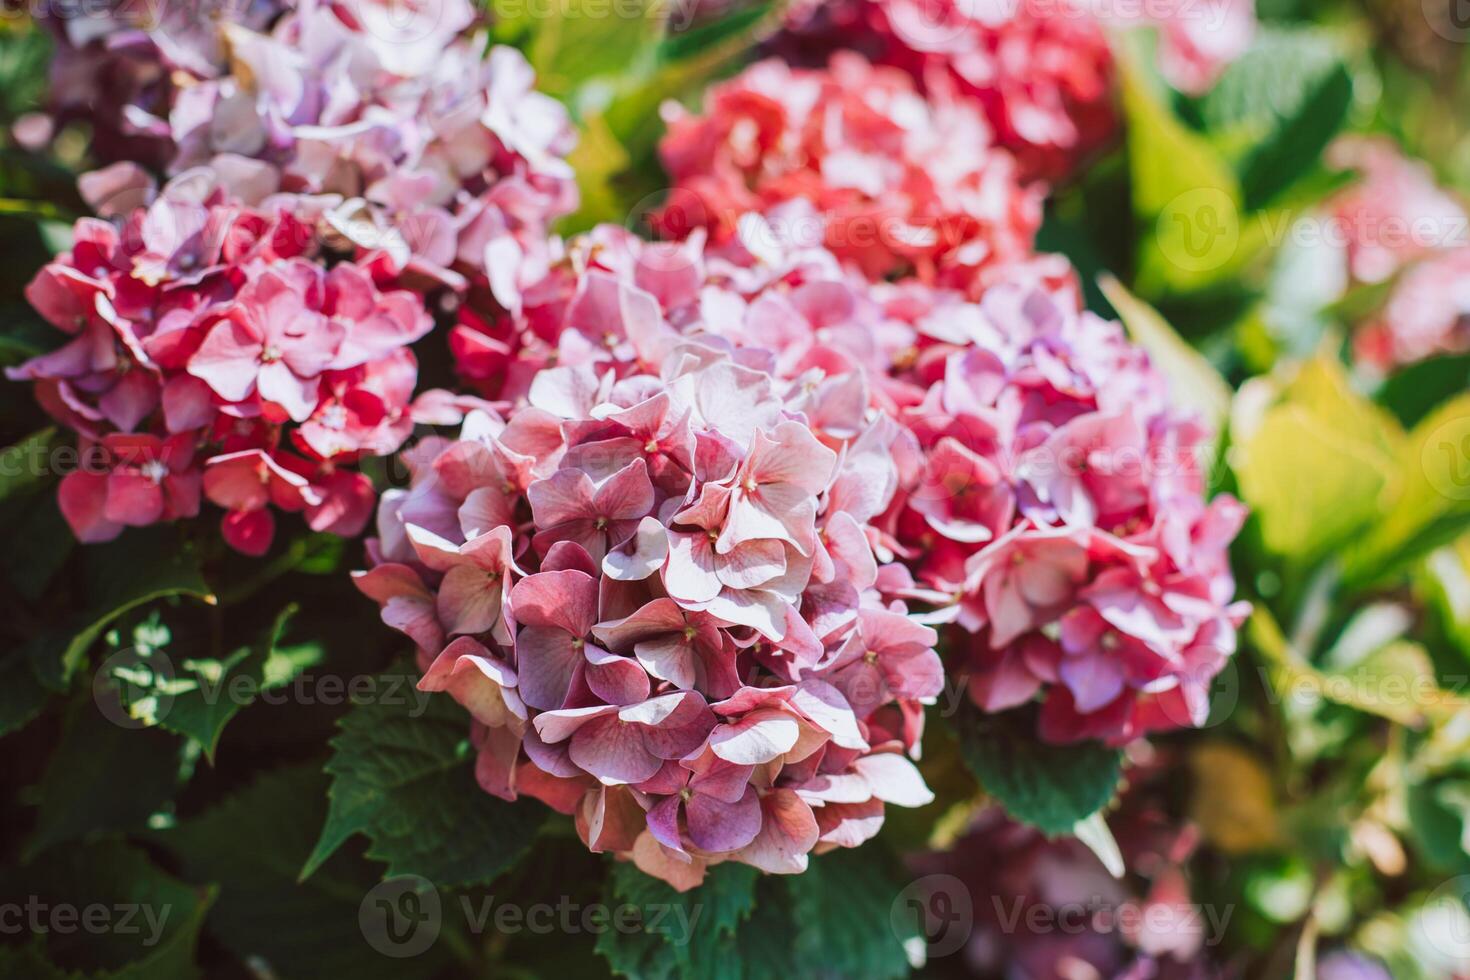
x: 1415, y: 391
x: 1432, y: 508
x: 142, y: 566
x: 1166, y: 158
x: 1193, y: 380
x: 404, y: 776
x: 684, y: 934
x: 597, y: 160
x: 27, y: 464
x: 21, y: 695
x: 200, y: 703
x: 251, y: 845
x: 153, y: 920
x: 1310, y: 484
x: 1319, y: 465
x: 102, y: 777
x: 1286, y: 98
x: 842, y: 906
x: 588, y: 40
x: 1051, y: 787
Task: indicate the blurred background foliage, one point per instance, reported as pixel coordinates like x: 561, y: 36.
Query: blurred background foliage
x: 1333, y: 811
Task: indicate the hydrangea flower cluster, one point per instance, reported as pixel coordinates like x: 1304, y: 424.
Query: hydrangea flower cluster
x: 1049, y: 501
x: 399, y: 136
x: 1395, y: 221
x: 655, y: 588
x: 211, y: 354
x: 901, y: 184
x: 1059, y: 515
x: 1040, y: 70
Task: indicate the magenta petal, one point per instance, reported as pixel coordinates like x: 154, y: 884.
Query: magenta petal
x: 613, y: 752
x: 715, y: 825
x: 1094, y: 679
x: 133, y: 499
x: 615, y: 679
x: 566, y: 600
x: 545, y: 660
x: 469, y: 599
x: 228, y: 360
x: 663, y: 822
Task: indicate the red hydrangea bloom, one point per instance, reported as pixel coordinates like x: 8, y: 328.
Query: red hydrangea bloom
x: 1040, y: 70
x: 900, y: 183
x: 209, y: 351
x: 653, y: 583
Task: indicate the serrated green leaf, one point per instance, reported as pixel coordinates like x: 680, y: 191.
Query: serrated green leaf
x: 685, y: 934
x: 1050, y: 787
x: 842, y: 906
x: 402, y: 775
x: 102, y: 777
x: 251, y: 846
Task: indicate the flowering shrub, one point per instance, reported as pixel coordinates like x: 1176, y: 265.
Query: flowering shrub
x: 857, y: 571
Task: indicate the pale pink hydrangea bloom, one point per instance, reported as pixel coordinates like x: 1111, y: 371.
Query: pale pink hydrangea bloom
x: 1427, y: 314
x: 384, y: 125
x: 1393, y: 214
x: 211, y: 354
x: 653, y: 583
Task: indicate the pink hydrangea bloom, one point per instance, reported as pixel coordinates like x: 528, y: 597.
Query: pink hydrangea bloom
x: 384, y: 125
x: 1427, y: 314
x: 209, y: 352
x: 653, y: 585
x: 900, y: 183
x: 1393, y: 214
x: 1018, y: 456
